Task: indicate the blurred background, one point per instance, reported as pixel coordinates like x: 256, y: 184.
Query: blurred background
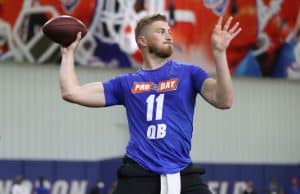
x: 48, y: 146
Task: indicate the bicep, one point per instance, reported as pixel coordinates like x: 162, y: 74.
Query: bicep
x: 208, y: 90
x: 91, y: 95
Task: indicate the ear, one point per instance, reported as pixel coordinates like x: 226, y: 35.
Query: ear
x: 141, y: 41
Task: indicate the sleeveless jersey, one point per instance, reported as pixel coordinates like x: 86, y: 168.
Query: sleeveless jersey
x: 160, y: 107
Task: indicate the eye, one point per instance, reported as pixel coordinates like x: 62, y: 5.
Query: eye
x: 161, y: 31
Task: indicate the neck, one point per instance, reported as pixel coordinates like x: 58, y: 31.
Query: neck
x: 152, y: 62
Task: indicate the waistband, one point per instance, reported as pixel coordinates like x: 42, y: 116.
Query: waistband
x: 133, y: 169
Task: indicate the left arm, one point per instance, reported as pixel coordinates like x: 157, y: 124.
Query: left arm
x: 219, y: 91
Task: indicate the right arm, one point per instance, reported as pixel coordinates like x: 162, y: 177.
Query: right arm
x: 91, y: 94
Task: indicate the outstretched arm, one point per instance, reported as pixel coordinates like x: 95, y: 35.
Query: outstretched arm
x: 219, y: 91
x: 91, y: 94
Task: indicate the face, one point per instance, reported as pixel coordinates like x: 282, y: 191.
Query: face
x: 159, y: 39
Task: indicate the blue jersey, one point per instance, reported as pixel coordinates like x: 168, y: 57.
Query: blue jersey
x: 160, y: 107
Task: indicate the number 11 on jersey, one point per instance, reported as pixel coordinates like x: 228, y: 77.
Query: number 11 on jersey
x: 159, y: 106
x: 155, y: 131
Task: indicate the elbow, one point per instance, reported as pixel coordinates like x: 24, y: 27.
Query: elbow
x: 67, y: 97
x: 225, y: 104
x: 68, y: 94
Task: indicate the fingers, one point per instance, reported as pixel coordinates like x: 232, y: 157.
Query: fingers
x: 236, y: 32
x: 73, y: 45
x: 227, y: 24
x: 78, y: 36
x: 233, y: 31
x: 63, y: 49
x: 219, y: 24
x: 77, y: 40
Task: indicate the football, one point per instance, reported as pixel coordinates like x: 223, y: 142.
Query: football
x: 63, y: 29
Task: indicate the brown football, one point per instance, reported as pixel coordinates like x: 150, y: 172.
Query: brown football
x: 63, y: 29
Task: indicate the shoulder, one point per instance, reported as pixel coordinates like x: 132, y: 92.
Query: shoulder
x: 122, y: 77
x: 179, y: 64
x: 185, y: 66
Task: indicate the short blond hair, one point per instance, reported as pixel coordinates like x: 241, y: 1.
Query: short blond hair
x: 146, y: 21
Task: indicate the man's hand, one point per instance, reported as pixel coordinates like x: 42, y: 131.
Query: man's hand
x: 72, y: 47
x: 222, y: 36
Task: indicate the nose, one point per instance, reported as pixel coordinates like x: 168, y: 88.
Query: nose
x: 169, y: 36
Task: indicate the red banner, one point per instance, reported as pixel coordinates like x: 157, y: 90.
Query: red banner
x: 269, y: 44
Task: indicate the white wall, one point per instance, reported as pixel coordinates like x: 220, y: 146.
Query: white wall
x: 35, y: 123
x: 263, y: 125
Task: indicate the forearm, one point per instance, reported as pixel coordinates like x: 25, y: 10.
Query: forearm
x: 67, y: 75
x: 224, y: 87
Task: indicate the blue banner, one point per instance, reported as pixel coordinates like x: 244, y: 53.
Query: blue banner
x: 78, y: 177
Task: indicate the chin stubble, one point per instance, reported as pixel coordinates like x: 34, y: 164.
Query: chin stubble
x: 162, y: 53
